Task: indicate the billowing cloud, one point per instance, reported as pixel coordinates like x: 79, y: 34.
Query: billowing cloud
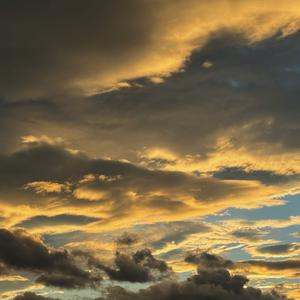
x: 140, y: 266
x: 207, y: 284
x: 207, y: 260
x: 280, y: 250
x: 21, y: 251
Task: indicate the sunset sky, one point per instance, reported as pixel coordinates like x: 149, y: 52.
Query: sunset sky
x: 150, y: 150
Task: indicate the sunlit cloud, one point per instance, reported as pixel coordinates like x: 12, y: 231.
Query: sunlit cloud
x: 149, y: 149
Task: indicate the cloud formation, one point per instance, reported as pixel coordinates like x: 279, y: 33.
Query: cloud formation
x: 173, y: 117
x: 207, y: 284
x: 21, y: 251
x: 31, y: 296
x: 67, y: 47
x: 108, y: 189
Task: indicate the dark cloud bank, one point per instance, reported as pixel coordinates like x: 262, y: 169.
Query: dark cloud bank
x: 64, y: 269
x: 19, y: 250
x: 213, y: 284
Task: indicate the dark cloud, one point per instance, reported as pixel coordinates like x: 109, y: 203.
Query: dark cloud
x: 176, y: 232
x: 21, y: 251
x: 141, y: 266
x: 279, y: 249
x: 68, y: 281
x: 275, y: 265
x: 54, y: 51
x: 215, y: 284
x: 267, y: 177
x: 31, y: 296
x: 71, y: 48
x: 250, y: 234
x: 212, y: 281
x: 127, y: 239
x: 63, y: 219
x: 210, y: 261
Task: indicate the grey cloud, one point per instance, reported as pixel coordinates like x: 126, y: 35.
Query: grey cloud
x: 21, y: 251
x: 267, y: 177
x: 47, y: 48
x: 127, y: 239
x: 195, y: 106
x: 214, y: 284
x: 32, y: 296
x: 210, y: 261
x: 249, y: 234
x: 275, y: 265
x: 279, y: 249
x: 63, y: 219
x: 66, y: 281
x: 175, y: 232
x: 140, y: 266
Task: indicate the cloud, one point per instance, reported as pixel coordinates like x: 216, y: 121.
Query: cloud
x: 254, y: 268
x: 31, y: 296
x: 296, y: 234
x: 83, y: 57
x: 127, y: 239
x: 58, y: 220
x: 21, y: 251
x: 276, y: 265
x: 207, y: 260
x: 254, y: 138
x: 212, y: 280
x: 280, y: 250
x: 250, y: 234
x: 261, y: 175
x: 140, y: 266
x: 41, y: 187
x: 109, y: 189
x: 210, y: 283
x: 68, y: 281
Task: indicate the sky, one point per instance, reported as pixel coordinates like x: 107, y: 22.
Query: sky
x: 150, y: 150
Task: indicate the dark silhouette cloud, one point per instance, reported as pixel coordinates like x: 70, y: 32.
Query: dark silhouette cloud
x: 216, y: 284
x: 127, y: 239
x: 69, y: 281
x: 19, y: 250
x: 207, y: 260
x: 267, y: 177
x: 32, y: 296
x: 212, y: 261
x: 141, y: 266
x: 212, y: 281
x: 275, y: 265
